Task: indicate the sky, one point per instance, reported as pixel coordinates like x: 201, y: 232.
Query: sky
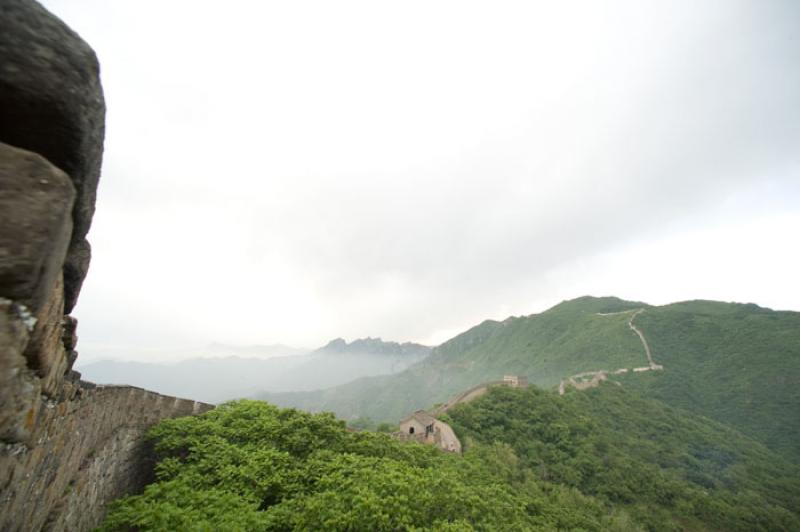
x: 292, y: 172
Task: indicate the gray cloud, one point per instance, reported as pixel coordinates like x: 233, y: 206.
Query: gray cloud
x: 303, y: 171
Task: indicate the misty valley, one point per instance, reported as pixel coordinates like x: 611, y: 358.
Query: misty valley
x: 217, y: 379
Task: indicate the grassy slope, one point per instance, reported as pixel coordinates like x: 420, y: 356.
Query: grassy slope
x: 669, y: 468
x: 738, y: 364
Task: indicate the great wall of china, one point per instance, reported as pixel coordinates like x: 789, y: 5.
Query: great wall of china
x: 590, y: 379
x: 436, y: 432
x: 580, y: 381
x: 425, y: 427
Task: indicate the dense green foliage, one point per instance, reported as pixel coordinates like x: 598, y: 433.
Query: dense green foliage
x: 667, y: 468
x: 737, y: 364
x: 250, y: 466
x: 603, y: 459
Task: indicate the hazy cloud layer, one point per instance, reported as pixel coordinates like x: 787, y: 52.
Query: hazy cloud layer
x: 292, y: 172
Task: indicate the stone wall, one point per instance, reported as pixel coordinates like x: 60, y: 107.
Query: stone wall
x: 67, y: 447
x: 86, y: 452
x: 467, y: 396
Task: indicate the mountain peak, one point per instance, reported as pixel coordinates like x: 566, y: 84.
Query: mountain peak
x: 596, y: 304
x: 337, y: 345
x: 370, y: 345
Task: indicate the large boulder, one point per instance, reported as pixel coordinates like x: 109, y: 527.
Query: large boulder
x: 51, y: 103
x: 36, y: 203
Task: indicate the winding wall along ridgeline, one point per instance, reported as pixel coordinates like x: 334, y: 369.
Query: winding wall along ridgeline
x: 67, y: 447
x: 591, y: 379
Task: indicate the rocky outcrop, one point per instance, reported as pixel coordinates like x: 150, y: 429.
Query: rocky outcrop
x: 36, y: 201
x: 51, y: 103
x: 67, y: 447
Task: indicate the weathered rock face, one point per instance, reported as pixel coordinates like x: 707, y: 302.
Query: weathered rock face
x: 35, y: 213
x: 51, y: 103
x: 36, y: 216
x: 67, y: 448
x: 19, y: 388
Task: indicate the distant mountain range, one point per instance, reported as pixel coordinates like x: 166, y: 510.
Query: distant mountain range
x: 374, y: 346
x: 220, y: 378
x: 736, y: 363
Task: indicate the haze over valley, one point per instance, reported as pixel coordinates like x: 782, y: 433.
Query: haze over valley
x: 219, y: 378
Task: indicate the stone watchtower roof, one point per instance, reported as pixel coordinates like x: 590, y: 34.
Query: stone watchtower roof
x: 421, y: 416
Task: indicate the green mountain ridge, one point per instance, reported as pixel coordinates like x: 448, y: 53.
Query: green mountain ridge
x: 736, y: 363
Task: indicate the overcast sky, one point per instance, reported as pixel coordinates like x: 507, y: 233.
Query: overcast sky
x: 290, y: 172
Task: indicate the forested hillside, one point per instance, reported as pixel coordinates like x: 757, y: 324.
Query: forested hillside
x: 737, y: 364
x: 251, y: 467
x: 668, y: 468
x: 598, y: 460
